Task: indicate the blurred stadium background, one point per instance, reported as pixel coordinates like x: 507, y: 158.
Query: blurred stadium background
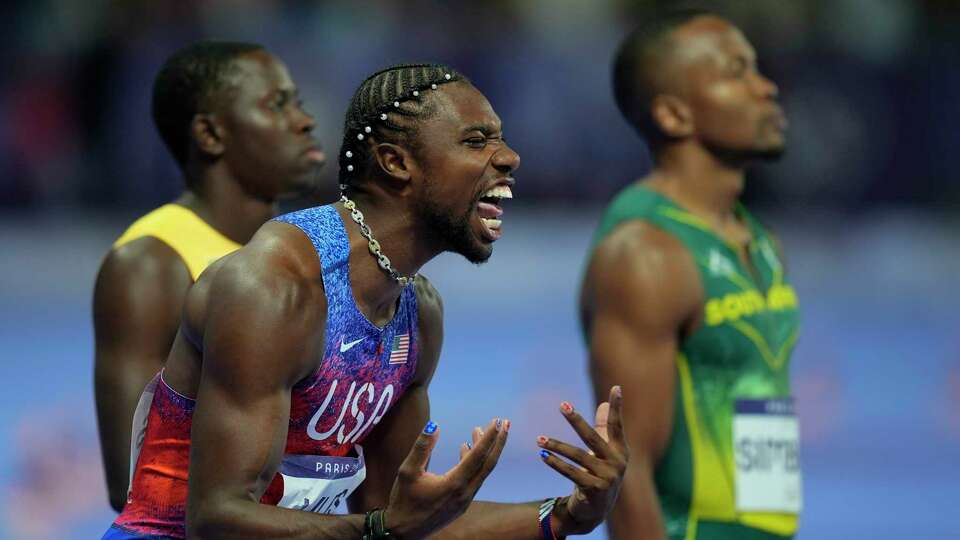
x: 865, y: 202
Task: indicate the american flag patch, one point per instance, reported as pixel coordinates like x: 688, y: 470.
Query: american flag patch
x: 400, y: 349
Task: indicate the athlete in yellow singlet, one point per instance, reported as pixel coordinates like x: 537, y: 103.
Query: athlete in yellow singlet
x: 230, y: 115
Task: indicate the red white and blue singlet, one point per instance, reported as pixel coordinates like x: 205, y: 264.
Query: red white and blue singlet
x: 364, y: 371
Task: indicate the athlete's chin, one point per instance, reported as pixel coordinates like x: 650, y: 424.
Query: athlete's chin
x: 477, y: 251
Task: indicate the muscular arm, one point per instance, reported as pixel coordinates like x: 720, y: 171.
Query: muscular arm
x: 641, y: 291
x: 137, y: 301
x: 259, y: 337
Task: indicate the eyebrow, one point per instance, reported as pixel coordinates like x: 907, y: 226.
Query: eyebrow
x: 486, y: 129
x: 287, y: 92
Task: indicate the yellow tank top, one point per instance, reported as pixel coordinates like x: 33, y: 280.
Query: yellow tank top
x: 196, y: 242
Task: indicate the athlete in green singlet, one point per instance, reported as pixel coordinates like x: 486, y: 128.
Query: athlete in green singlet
x: 685, y: 301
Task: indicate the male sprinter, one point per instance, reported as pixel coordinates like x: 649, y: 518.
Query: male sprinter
x: 230, y: 116
x: 685, y: 301
x: 298, y: 379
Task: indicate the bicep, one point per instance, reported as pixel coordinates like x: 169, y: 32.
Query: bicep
x: 643, y: 288
x: 258, y: 342
x: 137, y: 302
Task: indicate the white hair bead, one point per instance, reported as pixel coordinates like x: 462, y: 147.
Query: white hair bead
x: 383, y: 116
x: 360, y: 136
x: 396, y: 103
x: 349, y: 167
x: 446, y: 76
x: 367, y: 129
x: 416, y: 93
x: 349, y: 153
x: 433, y: 86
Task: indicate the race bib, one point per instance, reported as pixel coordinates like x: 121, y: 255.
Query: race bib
x: 766, y: 443
x: 320, y: 484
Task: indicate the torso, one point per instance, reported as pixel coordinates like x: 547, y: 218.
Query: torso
x: 734, y: 357
x: 361, y: 372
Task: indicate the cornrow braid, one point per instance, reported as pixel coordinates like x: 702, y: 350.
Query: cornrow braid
x: 388, y: 105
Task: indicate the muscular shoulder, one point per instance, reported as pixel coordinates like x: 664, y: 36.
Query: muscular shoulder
x: 272, y: 284
x: 649, y: 268
x: 147, y: 260
x: 142, y: 282
x: 430, y: 322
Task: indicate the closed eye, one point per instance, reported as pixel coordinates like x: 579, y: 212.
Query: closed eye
x: 476, y: 142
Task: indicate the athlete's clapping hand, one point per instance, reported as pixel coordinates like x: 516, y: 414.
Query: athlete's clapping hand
x: 422, y: 502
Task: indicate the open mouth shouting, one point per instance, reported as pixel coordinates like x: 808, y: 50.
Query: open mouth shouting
x: 488, y: 208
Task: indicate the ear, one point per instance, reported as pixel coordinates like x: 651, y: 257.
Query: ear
x: 672, y: 115
x: 395, y: 161
x: 208, y: 134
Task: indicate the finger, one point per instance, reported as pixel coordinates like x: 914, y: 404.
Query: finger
x: 475, y: 435
x: 577, y: 475
x: 590, y: 437
x: 492, y: 458
x: 473, y: 459
x: 464, y: 448
x: 416, y: 461
x: 577, y: 455
x: 615, y: 419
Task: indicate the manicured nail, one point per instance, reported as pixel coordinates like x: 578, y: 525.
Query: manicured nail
x: 430, y: 428
x: 499, y: 423
x: 541, y: 440
x: 544, y: 454
x: 566, y: 407
x: 617, y: 391
x: 469, y: 446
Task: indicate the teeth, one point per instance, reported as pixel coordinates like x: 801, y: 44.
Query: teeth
x: 491, y: 223
x: 499, y: 191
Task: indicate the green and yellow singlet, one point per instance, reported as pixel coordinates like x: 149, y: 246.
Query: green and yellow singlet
x: 731, y: 469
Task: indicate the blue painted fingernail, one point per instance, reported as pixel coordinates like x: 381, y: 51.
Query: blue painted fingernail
x: 469, y: 445
x: 430, y: 428
x: 499, y: 423
x: 544, y: 454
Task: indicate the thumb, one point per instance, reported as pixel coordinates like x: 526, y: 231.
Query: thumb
x: 603, y: 412
x: 419, y: 455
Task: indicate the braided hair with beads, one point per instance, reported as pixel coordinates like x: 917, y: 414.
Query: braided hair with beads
x: 388, y: 105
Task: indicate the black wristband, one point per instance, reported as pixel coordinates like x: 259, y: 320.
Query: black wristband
x: 375, y: 528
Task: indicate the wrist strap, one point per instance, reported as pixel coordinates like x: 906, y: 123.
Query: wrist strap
x: 375, y: 527
x: 546, y: 510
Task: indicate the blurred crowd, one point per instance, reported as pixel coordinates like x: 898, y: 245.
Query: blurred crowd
x: 867, y: 84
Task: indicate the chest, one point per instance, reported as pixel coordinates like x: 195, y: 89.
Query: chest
x: 361, y: 375
x: 750, y: 315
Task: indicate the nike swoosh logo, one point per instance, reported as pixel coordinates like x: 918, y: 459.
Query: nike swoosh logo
x: 344, y: 347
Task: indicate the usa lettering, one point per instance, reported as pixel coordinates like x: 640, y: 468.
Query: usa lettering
x: 363, y: 414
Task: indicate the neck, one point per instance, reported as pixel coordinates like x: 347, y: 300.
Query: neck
x: 699, y: 181
x: 220, y: 201
x: 393, y: 226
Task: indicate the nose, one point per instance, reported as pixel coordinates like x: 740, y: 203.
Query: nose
x: 305, y: 122
x: 506, y: 160
x: 765, y: 87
